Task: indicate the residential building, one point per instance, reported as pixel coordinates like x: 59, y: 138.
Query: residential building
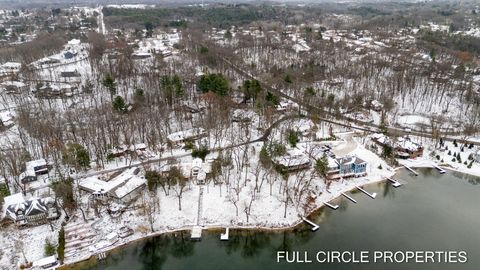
x: 29, y: 211
x: 33, y: 169
x: 349, y: 166
x: 293, y: 160
x: 404, y: 147
x: 124, y: 188
x: 186, y: 135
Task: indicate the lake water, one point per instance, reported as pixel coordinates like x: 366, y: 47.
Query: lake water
x: 430, y: 212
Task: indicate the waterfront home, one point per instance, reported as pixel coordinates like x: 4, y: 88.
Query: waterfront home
x: 123, y: 188
x: 404, y: 147
x: 29, y: 211
x: 349, y: 166
x: 196, y: 170
x: 293, y: 160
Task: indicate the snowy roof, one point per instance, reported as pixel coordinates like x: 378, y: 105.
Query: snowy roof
x: 350, y: 160
x: 404, y: 143
x: 44, y: 261
x: 138, y: 146
x: 36, y: 163
x: 139, y: 53
x: 111, y: 236
x: 13, y: 83
x: 16, y: 198
x: 17, y: 202
x: 197, y: 163
x: 129, y: 186
x: 332, y: 163
x: 6, y: 118
x: 11, y: 65
x: 407, y: 144
x: 186, y: 134
x: 74, y: 42
x: 292, y: 158
x: 119, y: 186
x: 301, y: 47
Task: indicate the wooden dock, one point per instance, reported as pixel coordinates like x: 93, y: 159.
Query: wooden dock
x: 196, y: 233
x: 334, y: 207
x: 440, y: 170
x: 372, y: 195
x: 349, y: 197
x: 395, y: 183
x: 314, y: 226
x: 224, y: 236
x: 410, y: 169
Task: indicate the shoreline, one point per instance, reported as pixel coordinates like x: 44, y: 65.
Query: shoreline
x: 292, y: 226
x: 77, y: 262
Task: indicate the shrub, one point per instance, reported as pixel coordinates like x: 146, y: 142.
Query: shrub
x: 49, y: 248
x: 201, y: 152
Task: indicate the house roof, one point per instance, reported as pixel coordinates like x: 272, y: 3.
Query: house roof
x: 350, y: 160
x: 13, y: 83
x: 33, y: 206
x: 292, y: 158
x: 118, y: 187
x: 128, y: 187
x: 36, y: 163
x: 185, y: 134
x: 44, y: 261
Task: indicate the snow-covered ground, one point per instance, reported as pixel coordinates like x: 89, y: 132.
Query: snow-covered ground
x: 252, y: 191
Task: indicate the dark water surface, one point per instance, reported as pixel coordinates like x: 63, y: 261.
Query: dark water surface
x: 430, y: 212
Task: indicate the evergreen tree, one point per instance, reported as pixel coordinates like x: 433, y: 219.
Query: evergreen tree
x: 216, y: 83
x: 119, y: 104
x: 110, y: 84
x: 321, y: 166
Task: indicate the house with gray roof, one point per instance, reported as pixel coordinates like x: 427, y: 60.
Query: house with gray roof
x: 31, y: 211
